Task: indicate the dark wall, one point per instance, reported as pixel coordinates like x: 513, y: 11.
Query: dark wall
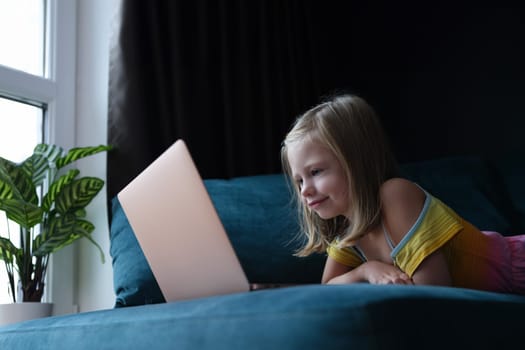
x: 445, y: 81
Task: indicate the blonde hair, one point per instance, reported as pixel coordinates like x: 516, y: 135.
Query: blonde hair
x: 350, y: 128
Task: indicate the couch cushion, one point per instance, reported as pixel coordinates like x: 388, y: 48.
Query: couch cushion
x: 359, y: 316
x: 260, y: 223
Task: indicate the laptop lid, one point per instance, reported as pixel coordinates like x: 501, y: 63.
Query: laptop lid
x: 179, y: 230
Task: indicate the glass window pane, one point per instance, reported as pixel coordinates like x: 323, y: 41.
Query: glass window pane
x: 22, y: 33
x: 20, y: 130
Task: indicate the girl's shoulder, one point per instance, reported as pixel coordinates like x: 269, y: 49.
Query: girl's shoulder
x: 401, y: 190
x: 401, y: 204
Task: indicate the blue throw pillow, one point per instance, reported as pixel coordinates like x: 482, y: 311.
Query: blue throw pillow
x: 133, y: 280
x: 258, y: 214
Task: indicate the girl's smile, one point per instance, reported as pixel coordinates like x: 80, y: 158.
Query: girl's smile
x: 315, y: 203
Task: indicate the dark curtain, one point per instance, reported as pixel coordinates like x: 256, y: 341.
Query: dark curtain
x: 228, y: 77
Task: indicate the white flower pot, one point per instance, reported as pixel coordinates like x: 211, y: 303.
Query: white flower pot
x: 18, y: 312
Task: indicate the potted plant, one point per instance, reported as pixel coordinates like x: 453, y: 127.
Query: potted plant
x: 47, y: 199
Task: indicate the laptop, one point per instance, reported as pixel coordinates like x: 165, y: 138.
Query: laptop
x: 179, y: 230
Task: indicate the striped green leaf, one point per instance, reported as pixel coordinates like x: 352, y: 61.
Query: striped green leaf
x: 86, y: 226
x: 7, y: 250
x: 23, y: 213
x: 6, y: 183
x: 78, y: 194
x: 41, y: 162
x: 56, y: 187
x: 15, y: 183
x: 61, y: 231
x: 80, y: 152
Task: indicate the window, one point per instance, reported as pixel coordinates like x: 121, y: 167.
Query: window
x: 37, y: 91
x: 22, y: 35
x: 22, y: 40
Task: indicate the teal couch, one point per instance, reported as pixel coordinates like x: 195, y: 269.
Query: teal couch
x: 261, y: 223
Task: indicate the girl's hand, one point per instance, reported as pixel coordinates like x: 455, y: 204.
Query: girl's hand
x: 374, y: 272
x: 377, y: 272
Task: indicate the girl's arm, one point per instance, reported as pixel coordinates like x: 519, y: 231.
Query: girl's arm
x: 433, y: 270
x: 333, y: 269
x: 402, y: 204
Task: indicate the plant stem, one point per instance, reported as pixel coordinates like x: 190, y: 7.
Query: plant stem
x: 10, y: 276
x: 26, y: 267
x: 9, y: 265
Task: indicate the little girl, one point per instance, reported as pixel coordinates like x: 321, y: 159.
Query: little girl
x: 377, y: 227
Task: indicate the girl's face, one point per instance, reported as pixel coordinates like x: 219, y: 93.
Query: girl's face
x: 319, y: 177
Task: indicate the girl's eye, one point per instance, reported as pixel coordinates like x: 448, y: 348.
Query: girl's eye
x: 315, y: 172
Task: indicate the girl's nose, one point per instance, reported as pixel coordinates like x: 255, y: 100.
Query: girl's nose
x: 306, y: 189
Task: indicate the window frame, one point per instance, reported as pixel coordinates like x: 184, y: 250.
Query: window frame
x: 57, y: 91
